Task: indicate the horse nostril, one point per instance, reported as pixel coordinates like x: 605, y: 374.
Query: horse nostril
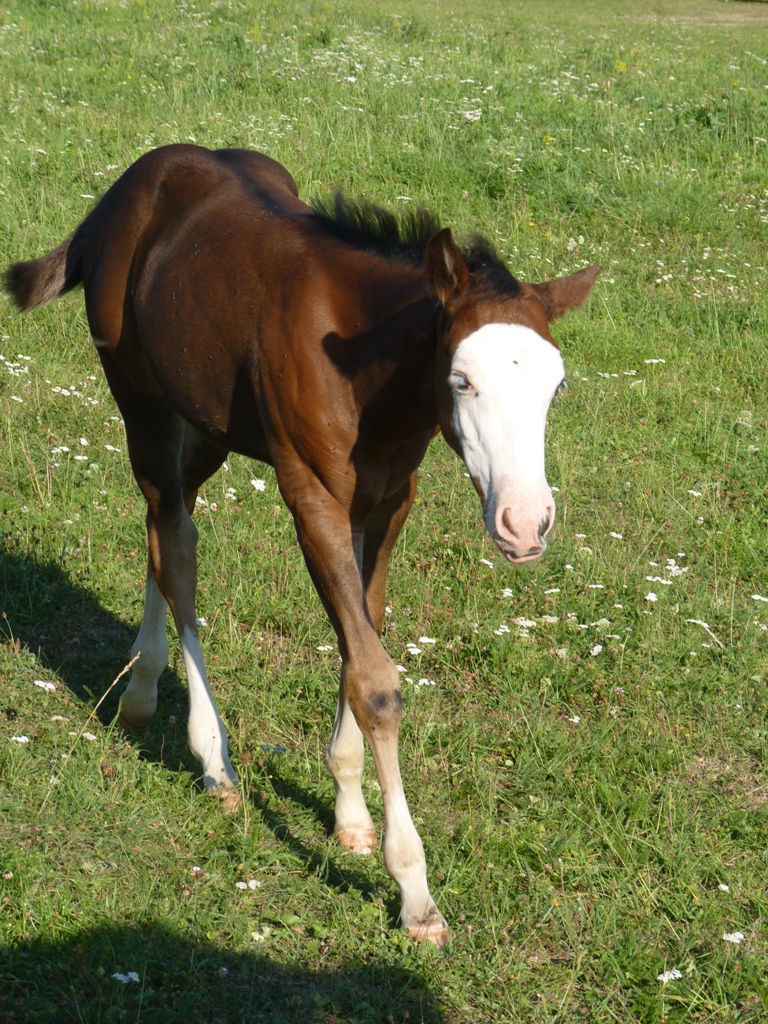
x: 507, y: 521
x: 543, y: 527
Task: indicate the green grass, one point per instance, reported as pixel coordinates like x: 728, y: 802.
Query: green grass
x: 581, y: 808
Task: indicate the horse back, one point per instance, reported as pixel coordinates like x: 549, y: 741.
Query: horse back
x: 137, y: 219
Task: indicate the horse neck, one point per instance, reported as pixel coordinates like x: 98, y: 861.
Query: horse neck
x: 391, y: 360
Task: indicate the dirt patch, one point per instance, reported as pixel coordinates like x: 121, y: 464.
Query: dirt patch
x: 737, y: 777
x: 740, y: 14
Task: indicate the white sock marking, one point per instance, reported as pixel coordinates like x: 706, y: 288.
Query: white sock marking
x: 207, y: 735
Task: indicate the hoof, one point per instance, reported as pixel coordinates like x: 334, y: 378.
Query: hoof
x: 432, y: 929
x: 131, y: 725
x: 230, y: 799
x: 362, y: 841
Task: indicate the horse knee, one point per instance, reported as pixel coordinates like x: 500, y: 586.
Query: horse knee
x: 383, y: 708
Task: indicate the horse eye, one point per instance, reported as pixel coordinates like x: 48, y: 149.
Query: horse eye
x: 460, y: 383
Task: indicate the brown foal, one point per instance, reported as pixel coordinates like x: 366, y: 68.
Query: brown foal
x: 333, y: 343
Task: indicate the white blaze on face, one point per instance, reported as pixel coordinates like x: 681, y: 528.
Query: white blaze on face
x: 503, y: 378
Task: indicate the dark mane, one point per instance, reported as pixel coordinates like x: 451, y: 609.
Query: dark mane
x: 404, y: 237
x: 485, y: 263
x: 375, y: 229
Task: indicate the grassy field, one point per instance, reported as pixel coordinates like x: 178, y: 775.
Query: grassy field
x: 588, y: 771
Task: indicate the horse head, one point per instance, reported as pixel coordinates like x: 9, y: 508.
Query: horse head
x: 497, y: 371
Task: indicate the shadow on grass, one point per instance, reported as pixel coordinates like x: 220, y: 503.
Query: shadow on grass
x: 59, y: 621
x: 342, y: 878
x: 70, y: 633
x: 183, y: 979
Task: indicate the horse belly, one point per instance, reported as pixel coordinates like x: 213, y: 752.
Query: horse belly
x: 215, y: 392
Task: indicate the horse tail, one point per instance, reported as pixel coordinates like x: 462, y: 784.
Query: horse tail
x: 36, y: 282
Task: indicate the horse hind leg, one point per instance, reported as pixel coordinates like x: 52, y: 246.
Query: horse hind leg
x: 168, y: 466
x: 172, y: 541
x: 138, y: 702
x: 200, y: 458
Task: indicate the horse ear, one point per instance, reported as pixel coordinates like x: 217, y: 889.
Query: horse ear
x: 448, y: 274
x: 565, y: 293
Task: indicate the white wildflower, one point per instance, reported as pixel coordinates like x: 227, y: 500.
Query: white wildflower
x: 668, y: 976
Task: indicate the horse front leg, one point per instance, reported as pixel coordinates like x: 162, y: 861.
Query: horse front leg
x: 371, y: 690
x: 345, y: 756
x: 377, y: 703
